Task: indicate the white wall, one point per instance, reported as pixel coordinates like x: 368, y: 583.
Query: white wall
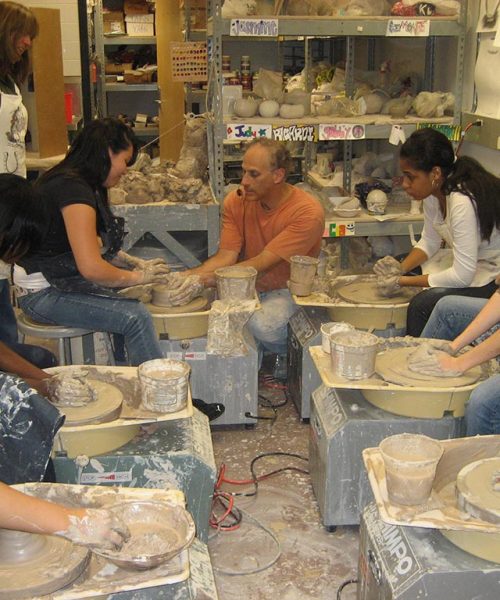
x: 69, y: 31
x: 489, y: 158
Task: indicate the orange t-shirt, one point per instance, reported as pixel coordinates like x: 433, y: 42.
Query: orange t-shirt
x: 295, y: 227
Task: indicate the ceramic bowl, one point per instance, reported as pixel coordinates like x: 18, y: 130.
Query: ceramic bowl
x: 347, y: 212
x: 170, y: 529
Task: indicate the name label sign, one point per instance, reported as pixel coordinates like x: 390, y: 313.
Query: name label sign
x: 254, y: 27
x: 339, y: 131
x: 408, y: 28
x: 248, y: 131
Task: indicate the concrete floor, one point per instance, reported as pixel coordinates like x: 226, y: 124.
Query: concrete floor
x: 312, y: 562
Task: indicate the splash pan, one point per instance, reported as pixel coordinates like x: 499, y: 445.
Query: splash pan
x: 159, y: 532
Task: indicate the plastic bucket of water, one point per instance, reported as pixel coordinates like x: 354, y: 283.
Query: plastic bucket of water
x: 236, y: 283
x: 410, y: 461
x: 332, y: 328
x: 353, y: 354
x: 164, y: 384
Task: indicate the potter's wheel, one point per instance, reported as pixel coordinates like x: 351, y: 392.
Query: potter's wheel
x: 106, y: 407
x: 391, y: 365
x: 197, y: 304
x: 37, y: 564
x: 478, y: 489
x: 366, y: 292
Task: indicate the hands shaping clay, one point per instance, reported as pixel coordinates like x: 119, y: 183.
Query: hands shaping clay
x: 387, y: 266
x: 70, y: 388
x: 388, y: 285
x: 143, y: 293
x: 425, y: 360
x: 98, y: 528
x: 179, y: 289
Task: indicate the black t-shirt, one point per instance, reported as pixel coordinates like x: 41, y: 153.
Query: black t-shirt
x: 60, y: 191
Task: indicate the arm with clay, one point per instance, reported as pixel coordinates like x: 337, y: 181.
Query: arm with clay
x: 80, y: 223
x: 486, y: 318
x: 88, y: 527
x: 13, y: 363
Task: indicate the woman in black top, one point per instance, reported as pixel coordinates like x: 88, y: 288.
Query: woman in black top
x: 74, y: 276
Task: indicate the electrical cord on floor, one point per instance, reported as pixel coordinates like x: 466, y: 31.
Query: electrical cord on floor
x: 269, y: 564
x: 343, y: 585
x: 255, y: 479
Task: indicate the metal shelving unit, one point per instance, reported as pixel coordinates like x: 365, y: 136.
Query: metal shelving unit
x: 100, y: 43
x: 307, y: 28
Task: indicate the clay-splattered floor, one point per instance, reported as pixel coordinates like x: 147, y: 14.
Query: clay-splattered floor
x: 313, y: 563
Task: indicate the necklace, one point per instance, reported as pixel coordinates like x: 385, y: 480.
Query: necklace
x: 490, y: 18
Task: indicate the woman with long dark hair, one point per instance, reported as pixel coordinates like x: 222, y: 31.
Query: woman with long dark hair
x: 459, y: 249
x: 74, y: 277
x: 18, y: 28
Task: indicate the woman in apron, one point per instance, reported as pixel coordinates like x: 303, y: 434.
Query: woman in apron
x: 74, y: 277
x: 459, y: 249
x: 18, y: 28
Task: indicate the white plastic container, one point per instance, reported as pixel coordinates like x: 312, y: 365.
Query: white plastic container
x: 331, y: 328
x: 164, y: 384
x: 353, y: 354
x: 410, y: 461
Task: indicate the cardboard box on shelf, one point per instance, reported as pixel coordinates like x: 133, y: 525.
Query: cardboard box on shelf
x: 140, y: 29
x: 136, y: 7
x: 113, y: 23
x: 149, y: 18
x: 138, y: 76
x: 116, y: 69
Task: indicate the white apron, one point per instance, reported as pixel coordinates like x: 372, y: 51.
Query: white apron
x: 13, y: 127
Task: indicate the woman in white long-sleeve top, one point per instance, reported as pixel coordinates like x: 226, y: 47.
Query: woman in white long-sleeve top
x: 459, y: 250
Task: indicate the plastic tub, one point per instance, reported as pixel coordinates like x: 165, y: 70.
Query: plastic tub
x: 303, y: 269
x: 353, y: 354
x: 236, y: 283
x: 410, y: 461
x: 164, y: 384
x: 332, y: 328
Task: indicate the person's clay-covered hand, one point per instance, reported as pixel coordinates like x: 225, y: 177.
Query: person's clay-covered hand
x: 388, y: 285
x: 441, y: 345
x: 70, y: 388
x: 143, y: 292
x: 98, y: 528
x: 153, y: 272
x: 182, y: 289
x: 387, y: 266
x: 428, y: 360
x: 140, y: 263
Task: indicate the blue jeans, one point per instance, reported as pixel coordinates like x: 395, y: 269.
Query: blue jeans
x: 128, y: 318
x: 451, y: 315
x: 269, y: 324
x: 482, y: 413
x: 36, y: 355
x: 422, y: 305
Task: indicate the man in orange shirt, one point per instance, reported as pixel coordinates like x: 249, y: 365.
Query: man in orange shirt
x: 265, y: 222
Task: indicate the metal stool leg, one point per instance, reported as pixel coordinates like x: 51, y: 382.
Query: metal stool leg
x: 109, y: 348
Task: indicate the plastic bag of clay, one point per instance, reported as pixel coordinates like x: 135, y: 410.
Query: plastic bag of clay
x: 398, y: 107
x: 311, y: 8
x: 225, y: 327
x: 239, y: 8
x: 299, y: 97
x: 340, y: 106
x: 269, y: 85
x: 433, y: 104
x: 193, y: 157
x: 367, y: 8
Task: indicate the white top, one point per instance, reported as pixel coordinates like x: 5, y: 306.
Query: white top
x: 466, y: 261
x: 13, y: 126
